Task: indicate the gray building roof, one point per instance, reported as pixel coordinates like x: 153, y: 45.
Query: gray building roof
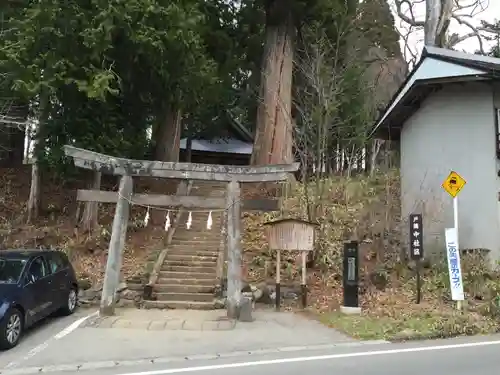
x: 219, y: 145
x: 437, y: 66
x: 239, y: 141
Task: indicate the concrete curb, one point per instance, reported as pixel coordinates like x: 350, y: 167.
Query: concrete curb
x: 85, y: 366
x: 433, y: 336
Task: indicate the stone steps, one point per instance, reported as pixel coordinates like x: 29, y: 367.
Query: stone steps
x: 198, y: 231
x: 187, y: 275
x: 195, y: 246
x: 188, y: 269
x: 190, y: 262
x: 190, y: 248
x: 185, y: 288
x: 193, y: 234
x: 187, y: 278
x: 188, y: 297
x: 207, y: 281
x: 199, y: 222
x: 199, y: 225
x: 191, y: 305
x: 209, y: 190
x: 186, y: 234
x: 193, y: 240
x: 190, y: 254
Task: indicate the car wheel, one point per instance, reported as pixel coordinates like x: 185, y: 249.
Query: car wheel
x: 11, y: 329
x: 71, y: 302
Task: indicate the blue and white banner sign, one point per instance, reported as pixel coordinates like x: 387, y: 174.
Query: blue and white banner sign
x: 454, y: 268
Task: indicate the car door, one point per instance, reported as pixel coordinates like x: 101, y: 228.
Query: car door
x: 37, y: 289
x: 59, y: 275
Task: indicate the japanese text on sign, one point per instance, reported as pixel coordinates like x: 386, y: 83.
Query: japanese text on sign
x: 416, y: 237
x: 454, y: 269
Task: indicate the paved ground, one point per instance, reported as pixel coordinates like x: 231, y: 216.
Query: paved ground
x: 463, y: 356
x: 39, y: 337
x: 139, y: 336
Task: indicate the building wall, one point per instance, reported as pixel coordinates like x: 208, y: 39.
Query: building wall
x: 454, y: 129
x: 496, y: 104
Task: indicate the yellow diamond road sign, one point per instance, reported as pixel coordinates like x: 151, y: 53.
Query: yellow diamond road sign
x: 453, y: 184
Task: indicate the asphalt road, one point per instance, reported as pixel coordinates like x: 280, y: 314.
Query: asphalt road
x: 37, y: 338
x: 463, y: 356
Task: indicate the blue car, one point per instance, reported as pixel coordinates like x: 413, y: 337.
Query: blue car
x: 33, y: 285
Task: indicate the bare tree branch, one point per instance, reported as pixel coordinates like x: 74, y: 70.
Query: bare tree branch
x: 456, y: 39
x: 439, y: 14
x: 410, y: 53
x: 327, y: 136
x: 407, y: 13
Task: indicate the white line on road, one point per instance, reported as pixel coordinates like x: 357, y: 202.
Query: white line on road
x: 73, y: 326
x: 37, y: 349
x: 314, y: 358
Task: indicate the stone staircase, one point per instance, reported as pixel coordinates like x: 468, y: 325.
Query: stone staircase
x: 188, y: 276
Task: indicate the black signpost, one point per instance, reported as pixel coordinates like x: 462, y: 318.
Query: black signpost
x: 351, y: 274
x: 416, y: 246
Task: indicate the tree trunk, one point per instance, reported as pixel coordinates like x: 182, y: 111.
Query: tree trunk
x: 34, y: 197
x: 387, y: 155
x: 89, y: 221
x: 437, y: 20
x: 33, y: 206
x: 375, y: 151
x: 273, y: 136
x: 167, y: 136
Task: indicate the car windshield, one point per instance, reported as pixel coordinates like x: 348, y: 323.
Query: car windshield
x: 10, y: 270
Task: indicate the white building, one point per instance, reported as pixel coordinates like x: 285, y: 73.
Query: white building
x: 445, y: 116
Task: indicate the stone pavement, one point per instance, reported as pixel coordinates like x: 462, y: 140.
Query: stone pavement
x: 165, y: 320
x: 150, y: 334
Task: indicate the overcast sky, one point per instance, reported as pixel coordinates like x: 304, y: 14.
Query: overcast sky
x: 471, y: 45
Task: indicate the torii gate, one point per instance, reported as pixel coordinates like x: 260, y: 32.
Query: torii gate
x: 128, y: 168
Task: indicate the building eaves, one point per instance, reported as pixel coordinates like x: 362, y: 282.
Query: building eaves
x: 239, y: 128
x: 484, y: 64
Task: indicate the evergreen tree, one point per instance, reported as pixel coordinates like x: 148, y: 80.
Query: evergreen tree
x: 377, y: 26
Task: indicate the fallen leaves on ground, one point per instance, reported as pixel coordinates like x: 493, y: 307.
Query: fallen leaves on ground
x: 393, y: 314
x: 56, y: 227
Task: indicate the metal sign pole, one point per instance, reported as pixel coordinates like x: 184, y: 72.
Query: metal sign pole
x: 455, y: 224
x: 453, y: 184
x: 455, y: 215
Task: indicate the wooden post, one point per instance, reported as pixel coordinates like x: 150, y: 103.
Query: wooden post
x: 116, y: 244
x: 189, y: 149
x: 89, y: 219
x: 221, y: 255
x: 278, y: 280
x: 304, y: 279
x: 233, y: 250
